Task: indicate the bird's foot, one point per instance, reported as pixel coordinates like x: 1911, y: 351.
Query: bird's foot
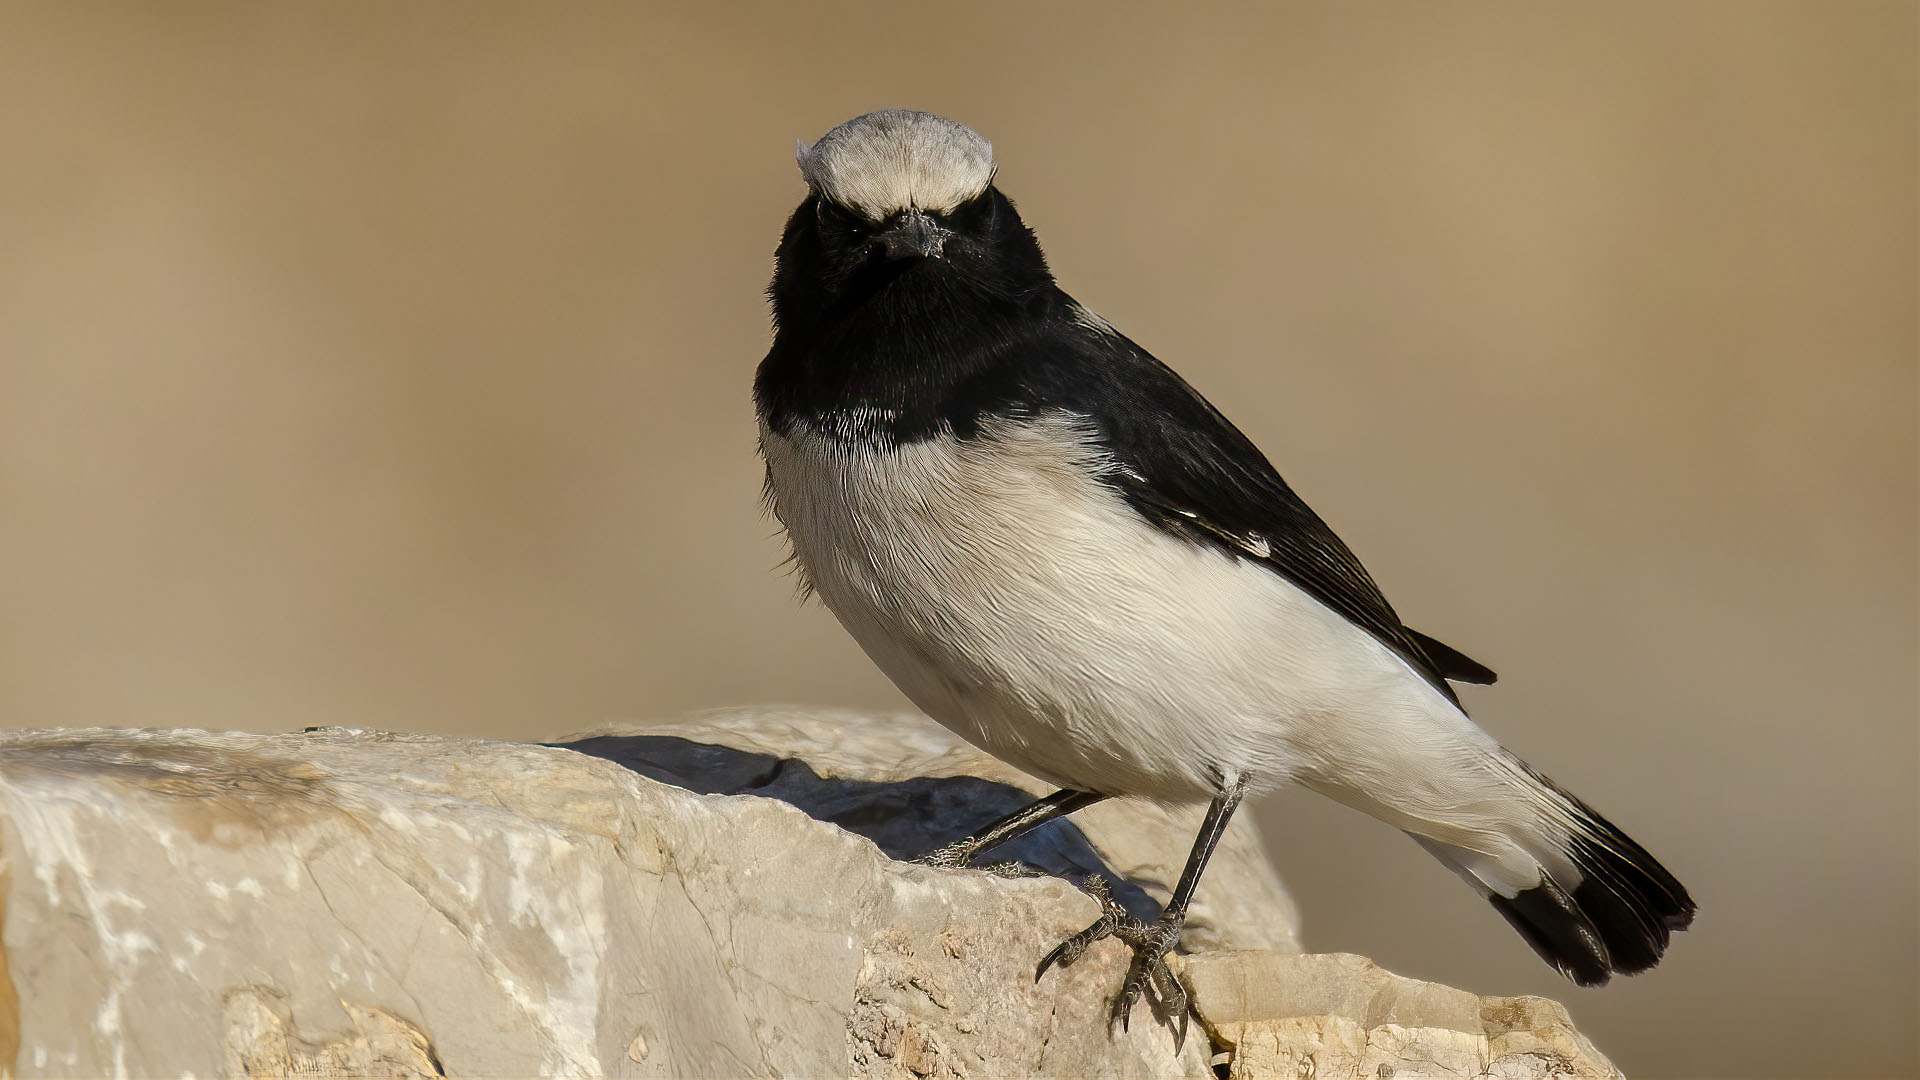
x: 1011, y: 870
x: 959, y: 856
x: 955, y: 856
x: 1113, y: 922
x: 1150, y: 942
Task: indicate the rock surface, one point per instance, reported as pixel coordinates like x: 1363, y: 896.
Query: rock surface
x: 1339, y: 1015
x: 344, y: 902
x: 909, y: 785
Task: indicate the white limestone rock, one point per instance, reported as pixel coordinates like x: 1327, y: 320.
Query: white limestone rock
x: 1278, y: 1015
x: 356, y: 903
x: 946, y: 786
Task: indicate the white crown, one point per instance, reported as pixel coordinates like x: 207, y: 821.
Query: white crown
x: 896, y: 159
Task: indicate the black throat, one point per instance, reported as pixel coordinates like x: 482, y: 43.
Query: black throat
x: 896, y: 351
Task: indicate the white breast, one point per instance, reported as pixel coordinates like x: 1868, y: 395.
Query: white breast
x: 1022, y: 603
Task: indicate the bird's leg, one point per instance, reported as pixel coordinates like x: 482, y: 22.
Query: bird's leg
x: 1151, y: 942
x: 961, y: 852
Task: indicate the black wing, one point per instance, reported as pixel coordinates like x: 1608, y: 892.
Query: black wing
x: 1454, y: 664
x: 1187, y: 469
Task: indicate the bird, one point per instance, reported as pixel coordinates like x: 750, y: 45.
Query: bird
x: 1058, y: 549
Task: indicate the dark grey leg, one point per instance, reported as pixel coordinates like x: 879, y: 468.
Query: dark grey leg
x: 1152, y: 942
x: 1026, y: 819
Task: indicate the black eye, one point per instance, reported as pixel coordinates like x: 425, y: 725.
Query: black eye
x: 835, y: 219
x: 977, y: 214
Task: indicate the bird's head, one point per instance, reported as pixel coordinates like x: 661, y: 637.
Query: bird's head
x: 904, y: 194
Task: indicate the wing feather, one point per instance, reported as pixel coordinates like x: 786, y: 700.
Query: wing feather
x: 1185, y: 468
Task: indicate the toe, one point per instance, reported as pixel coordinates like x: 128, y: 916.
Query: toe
x: 1130, y: 991
x: 1172, y: 995
x: 952, y: 857
x: 1063, y: 954
x: 1012, y: 870
x: 1073, y: 948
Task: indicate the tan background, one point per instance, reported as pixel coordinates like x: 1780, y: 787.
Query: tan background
x: 387, y: 364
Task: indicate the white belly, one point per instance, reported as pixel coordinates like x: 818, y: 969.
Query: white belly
x: 1021, y: 603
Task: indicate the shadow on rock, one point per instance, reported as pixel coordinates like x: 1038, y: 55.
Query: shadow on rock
x: 904, y: 817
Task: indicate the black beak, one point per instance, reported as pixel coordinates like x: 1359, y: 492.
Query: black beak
x: 914, y: 235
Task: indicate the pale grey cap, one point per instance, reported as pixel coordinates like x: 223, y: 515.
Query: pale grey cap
x: 895, y: 159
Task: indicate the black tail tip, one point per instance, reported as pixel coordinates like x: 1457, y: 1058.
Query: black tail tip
x: 1617, y: 920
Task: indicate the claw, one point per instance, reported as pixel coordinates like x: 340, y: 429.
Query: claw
x: 1148, y: 970
x: 1112, y: 919
x: 1173, y: 1001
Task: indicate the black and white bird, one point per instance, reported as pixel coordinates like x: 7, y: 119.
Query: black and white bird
x: 1061, y: 551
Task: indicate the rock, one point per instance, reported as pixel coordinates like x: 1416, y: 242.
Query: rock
x: 351, y: 903
x: 909, y: 785
x: 1338, y: 1015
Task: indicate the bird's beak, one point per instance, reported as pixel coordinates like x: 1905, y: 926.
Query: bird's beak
x: 914, y: 235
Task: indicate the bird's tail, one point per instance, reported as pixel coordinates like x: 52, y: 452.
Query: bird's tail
x: 1593, y: 903
x: 1588, y: 899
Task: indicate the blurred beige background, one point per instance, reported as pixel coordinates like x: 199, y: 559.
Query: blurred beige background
x: 388, y: 364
